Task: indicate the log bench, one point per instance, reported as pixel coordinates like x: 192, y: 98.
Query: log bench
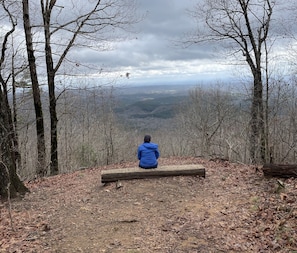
x: 162, y: 171
x: 280, y: 170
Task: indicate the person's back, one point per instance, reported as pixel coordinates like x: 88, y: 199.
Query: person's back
x: 148, y: 154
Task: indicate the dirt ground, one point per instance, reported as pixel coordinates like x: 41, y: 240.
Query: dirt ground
x: 233, y: 209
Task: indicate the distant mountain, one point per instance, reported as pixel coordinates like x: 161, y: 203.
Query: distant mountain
x: 136, y: 106
x: 141, y: 106
x: 147, y: 106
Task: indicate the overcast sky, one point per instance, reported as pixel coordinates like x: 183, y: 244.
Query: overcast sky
x: 155, y: 57
x: 152, y: 56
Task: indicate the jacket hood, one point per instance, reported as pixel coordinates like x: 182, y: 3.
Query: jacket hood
x: 150, y: 145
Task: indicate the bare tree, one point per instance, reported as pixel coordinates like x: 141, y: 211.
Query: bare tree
x: 283, y: 125
x: 245, y: 24
x: 83, y: 23
x: 204, y: 117
x: 108, y: 123
x: 41, y: 151
x: 10, y: 184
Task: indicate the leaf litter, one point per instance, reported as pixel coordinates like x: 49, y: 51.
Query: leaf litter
x: 233, y: 209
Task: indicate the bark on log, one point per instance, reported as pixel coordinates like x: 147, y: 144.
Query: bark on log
x: 280, y: 170
x: 162, y: 171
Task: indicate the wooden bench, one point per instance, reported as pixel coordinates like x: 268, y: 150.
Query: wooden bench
x: 280, y: 170
x: 162, y: 171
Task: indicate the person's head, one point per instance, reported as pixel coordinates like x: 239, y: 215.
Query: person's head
x: 147, y: 138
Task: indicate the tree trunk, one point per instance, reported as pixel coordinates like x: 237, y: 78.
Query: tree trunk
x: 4, y: 181
x: 14, y: 122
x: 280, y: 170
x: 54, y: 167
x: 41, y: 151
x: 9, y: 177
x: 8, y: 172
x: 257, y: 137
x: 10, y: 184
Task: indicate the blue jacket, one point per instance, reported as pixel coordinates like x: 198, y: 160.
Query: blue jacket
x: 148, y: 154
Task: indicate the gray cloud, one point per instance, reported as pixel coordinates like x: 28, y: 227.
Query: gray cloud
x: 164, y: 22
x: 152, y: 53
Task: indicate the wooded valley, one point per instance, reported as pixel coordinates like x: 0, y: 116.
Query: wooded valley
x: 105, y: 125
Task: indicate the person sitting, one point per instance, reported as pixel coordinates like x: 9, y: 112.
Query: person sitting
x: 148, y: 154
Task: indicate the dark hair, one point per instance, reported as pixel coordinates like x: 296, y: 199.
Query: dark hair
x: 147, y: 138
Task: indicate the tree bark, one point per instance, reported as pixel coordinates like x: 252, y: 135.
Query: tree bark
x: 41, y: 151
x: 8, y: 171
x: 14, y: 118
x: 9, y: 177
x: 280, y: 170
x: 10, y: 184
x: 46, y: 12
x: 257, y: 138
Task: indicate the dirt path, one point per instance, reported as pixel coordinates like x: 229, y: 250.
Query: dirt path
x: 225, y: 212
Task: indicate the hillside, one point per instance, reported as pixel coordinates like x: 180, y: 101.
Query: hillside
x: 234, y: 209
x: 152, y: 106
x: 136, y: 106
x: 147, y: 106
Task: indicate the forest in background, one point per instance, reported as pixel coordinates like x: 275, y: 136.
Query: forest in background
x: 104, y: 125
